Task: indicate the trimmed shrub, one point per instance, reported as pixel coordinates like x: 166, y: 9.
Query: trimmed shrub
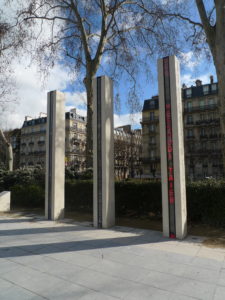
x: 21, y: 177
x: 205, y: 199
x: 79, y: 195
x: 206, y: 202
x: 138, y: 198
x: 27, y: 196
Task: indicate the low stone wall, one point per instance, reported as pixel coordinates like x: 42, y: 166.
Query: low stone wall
x: 5, y: 201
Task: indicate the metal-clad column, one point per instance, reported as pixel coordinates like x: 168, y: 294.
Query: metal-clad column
x: 55, y: 156
x: 103, y: 154
x: 172, y: 149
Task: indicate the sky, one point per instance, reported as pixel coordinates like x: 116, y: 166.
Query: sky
x: 32, y: 94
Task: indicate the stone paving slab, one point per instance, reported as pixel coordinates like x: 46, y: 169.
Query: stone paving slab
x: 42, y: 259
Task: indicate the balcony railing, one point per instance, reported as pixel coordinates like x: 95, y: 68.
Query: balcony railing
x: 203, y: 136
x: 189, y: 123
x: 34, y: 132
x: 149, y: 160
x: 214, y: 136
x: 150, y: 119
x: 203, y: 151
x: 36, y: 153
x: 190, y: 137
x: 200, y: 108
x: 206, y: 122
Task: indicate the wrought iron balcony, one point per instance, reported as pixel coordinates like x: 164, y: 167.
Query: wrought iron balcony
x: 149, y: 160
x: 154, y: 119
x: 201, y: 108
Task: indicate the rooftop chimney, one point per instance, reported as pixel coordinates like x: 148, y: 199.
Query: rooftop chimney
x: 198, y: 82
x: 73, y: 110
x: 42, y: 115
x: 184, y: 86
x: 28, y: 118
x: 211, y: 79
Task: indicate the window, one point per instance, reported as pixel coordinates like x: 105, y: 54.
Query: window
x: 152, y: 128
x: 189, y: 119
x: 205, y: 89
x: 202, y: 132
x: 213, y: 87
x: 188, y: 93
x: 213, y: 146
x: 152, y: 115
x: 204, y: 146
x: 211, y: 101
x: 202, y: 117
x: 191, y: 147
x: 152, y: 153
x: 190, y: 133
x: 189, y: 106
x: 152, y: 140
x: 213, y: 131
x: 202, y: 103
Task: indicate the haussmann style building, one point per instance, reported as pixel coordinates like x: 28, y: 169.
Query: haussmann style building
x: 202, y: 134
x: 33, y: 135
x: 128, y: 145
x: 127, y: 152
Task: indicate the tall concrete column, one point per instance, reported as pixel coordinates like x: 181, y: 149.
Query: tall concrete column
x: 172, y: 149
x: 103, y: 154
x: 55, y: 156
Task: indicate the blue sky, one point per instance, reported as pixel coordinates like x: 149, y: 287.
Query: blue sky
x: 32, y: 93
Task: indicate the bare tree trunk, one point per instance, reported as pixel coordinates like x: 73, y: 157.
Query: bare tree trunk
x: 10, y: 157
x: 89, y: 133
x: 9, y: 152
x: 216, y: 40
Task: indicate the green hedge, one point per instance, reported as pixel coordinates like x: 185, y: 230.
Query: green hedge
x: 27, y: 196
x: 205, y: 199
x: 206, y: 202
x: 78, y: 195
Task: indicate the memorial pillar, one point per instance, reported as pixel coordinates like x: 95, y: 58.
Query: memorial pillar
x: 55, y: 156
x: 172, y: 149
x: 103, y: 153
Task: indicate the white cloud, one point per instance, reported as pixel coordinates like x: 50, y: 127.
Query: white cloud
x: 32, y: 96
x: 189, y: 60
x: 125, y: 119
x: 76, y: 99
x: 119, y: 120
x: 189, y: 79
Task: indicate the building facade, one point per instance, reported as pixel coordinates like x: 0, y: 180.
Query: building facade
x: 128, y: 145
x: 33, y: 135
x: 127, y: 152
x: 202, y: 134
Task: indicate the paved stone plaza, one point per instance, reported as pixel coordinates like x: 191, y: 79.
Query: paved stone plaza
x: 42, y: 259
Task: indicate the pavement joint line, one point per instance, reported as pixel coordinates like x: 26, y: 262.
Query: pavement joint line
x: 46, y: 254
x: 113, y: 276
x: 61, y: 278
x: 7, y: 280
x: 117, y: 248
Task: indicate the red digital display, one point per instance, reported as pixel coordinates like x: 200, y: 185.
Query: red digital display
x: 169, y: 148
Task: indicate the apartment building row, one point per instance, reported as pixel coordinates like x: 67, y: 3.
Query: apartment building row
x: 202, y: 133
x: 33, y: 138
x: 30, y: 149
